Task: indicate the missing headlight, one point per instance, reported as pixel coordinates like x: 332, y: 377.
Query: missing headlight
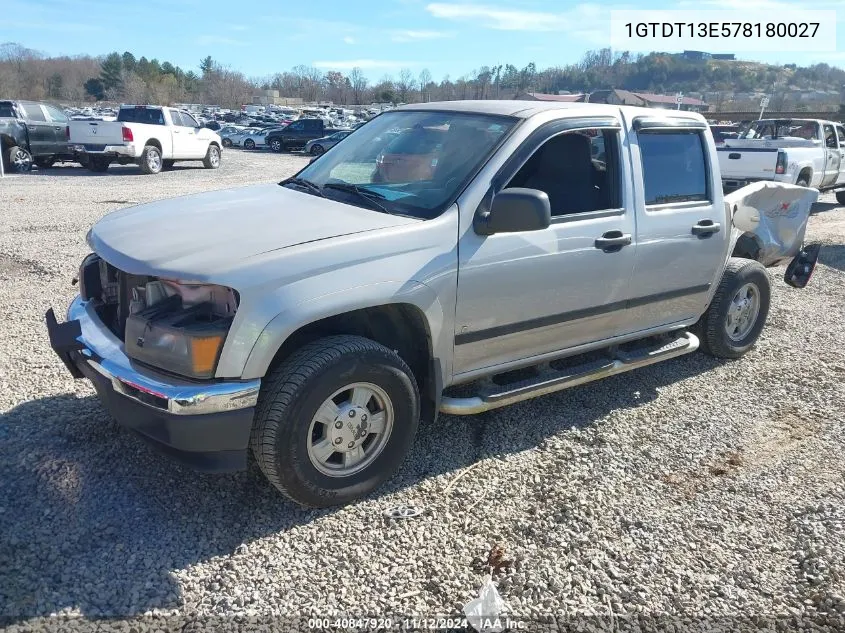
x: 179, y: 327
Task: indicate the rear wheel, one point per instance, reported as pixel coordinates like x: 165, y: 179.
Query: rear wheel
x: 840, y: 197
x: 212, y: 157
x: 227, y: 143
x: 803, y: 180
x: 335, y: 420
x: 316, y: 150
x: 736, y: 316
x: 151, y: 161
x: 18, y: 160
x: 249, y: 144
x: 276, y: 145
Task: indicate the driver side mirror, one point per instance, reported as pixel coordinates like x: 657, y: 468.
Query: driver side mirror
x: 515, y: 210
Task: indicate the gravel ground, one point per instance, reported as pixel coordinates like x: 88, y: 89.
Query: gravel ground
x: 697, y: 488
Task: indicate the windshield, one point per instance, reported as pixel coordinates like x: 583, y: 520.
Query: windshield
x: 413, y: 162
x: 789, y: 129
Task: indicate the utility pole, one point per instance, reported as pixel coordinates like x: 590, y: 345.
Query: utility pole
x: 763, y: 103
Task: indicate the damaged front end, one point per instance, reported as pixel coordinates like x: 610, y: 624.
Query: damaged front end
x: 175, y: 326
x: 769, y: 226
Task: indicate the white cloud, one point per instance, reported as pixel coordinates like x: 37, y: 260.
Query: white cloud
x: 349, y: 64
x: 419, y: 36
x: 209, y: 40
x: 239, y: 27
x: 517, y: 20
x: 349, y: 40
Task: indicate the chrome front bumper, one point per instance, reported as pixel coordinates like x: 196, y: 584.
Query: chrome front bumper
x: 103, y: 352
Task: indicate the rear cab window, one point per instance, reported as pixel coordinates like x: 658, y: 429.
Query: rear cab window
x: 150, y: 116
x: 7, y: 111
x: 674, y: 164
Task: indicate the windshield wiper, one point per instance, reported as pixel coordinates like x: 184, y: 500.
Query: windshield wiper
x: 305, y: 184
x: 372, y: 197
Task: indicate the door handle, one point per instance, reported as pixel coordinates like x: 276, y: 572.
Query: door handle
x: 613, y: 241
x: 706, y: 228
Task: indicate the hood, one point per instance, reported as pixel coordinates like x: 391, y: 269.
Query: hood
x: 199, y: 236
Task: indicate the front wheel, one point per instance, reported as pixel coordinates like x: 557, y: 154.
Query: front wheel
x: 736, y: 316
x: 212, y: 157
x: 249, y: 144
x: 98, y: 164
x: 276, y: 145
x: 227, y: 142
x: 316, y: 150
x: 335, y: 420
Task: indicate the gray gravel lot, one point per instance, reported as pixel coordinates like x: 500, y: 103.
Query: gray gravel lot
x: 695, y: 487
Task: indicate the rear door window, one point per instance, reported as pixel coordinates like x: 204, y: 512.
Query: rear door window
x: 6, y: 111
x: 674, y: 166
x: 33, y: 112
x: 176, y: 117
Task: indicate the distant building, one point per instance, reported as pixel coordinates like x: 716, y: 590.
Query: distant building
x: 701, y: 55
x: 540, y: 96
x: 647, y: 100
x: 271, y: 97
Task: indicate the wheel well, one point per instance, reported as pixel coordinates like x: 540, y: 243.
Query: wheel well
x: 154, y: 143
x: 807, y: 171
x: 400, y: 327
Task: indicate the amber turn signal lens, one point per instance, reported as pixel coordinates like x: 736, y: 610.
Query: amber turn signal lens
x: 204, y: 353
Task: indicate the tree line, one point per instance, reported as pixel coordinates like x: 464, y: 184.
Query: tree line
x: 122, y: 77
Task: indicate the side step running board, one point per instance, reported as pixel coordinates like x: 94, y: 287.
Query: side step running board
x: 551, y: 380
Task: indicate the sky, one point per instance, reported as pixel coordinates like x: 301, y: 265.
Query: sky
x: 380, y: 36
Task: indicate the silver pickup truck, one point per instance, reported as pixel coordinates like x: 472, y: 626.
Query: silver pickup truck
x: 317, y: 321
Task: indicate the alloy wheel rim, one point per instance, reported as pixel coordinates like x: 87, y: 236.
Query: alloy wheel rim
x: 743, y: 312
x: 21, y: 160
x: 350, y: 429
x: 215, y: 156
x: 154, y: 160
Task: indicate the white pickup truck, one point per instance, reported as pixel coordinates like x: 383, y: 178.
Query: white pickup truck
x: 806, y: 152
x: 152, y: 137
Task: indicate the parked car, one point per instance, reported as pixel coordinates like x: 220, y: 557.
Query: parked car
x: 152, y: 137
x: 250, y: 138
x: 226, y: 132
x: 806, y: 152
x: 317, y: 321
x: 297, y: 134
x: 320, y: 145
x: 32, y: 132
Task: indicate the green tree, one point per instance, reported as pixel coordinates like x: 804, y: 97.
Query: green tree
x: 111, y: 73
x: 94, y: 88
x: 129, y: 62
x: 207, y: 65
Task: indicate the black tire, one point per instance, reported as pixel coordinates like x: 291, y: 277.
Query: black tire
x: 316, y: 150
x: 277, y: 146
x: 290, y: 397
x: 98, y: 164
x: 46, y: 162
x: 168, y: 164
x: 227, y: 142
x: 712, y: 327
x: 840, y: 197
x: 249, y: 144
x: 213, y: 156
x: 803, y: 180
x: 151, y: 161
x: 17, y: 159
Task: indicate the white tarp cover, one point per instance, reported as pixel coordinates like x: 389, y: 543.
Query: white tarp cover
x: 776, y: 213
